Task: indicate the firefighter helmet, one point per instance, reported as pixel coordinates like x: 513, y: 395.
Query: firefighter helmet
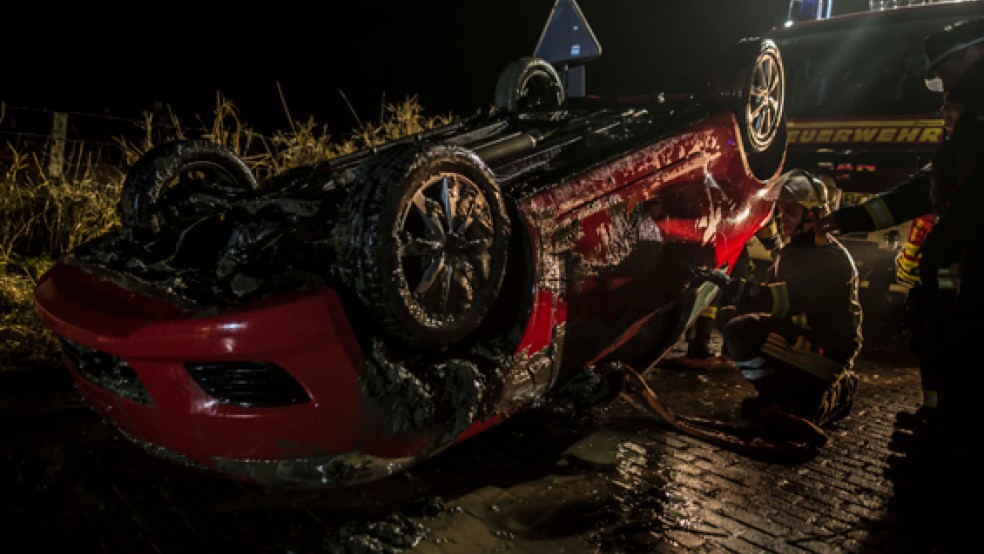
x: 944, y: 44
x: 807, y: 190
x: 952, y: 39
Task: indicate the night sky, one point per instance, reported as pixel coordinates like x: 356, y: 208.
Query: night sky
x: 449, y: 54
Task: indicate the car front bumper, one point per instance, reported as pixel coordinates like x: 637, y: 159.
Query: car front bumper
x: 337, y: 435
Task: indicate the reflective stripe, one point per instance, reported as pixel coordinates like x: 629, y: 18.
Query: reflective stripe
x: 907, y: 266
x: 800, y: 321
x: 753, y: 374
x: 907, y: 261
x: 819, y: 366
x: 948, y: 284
x: 780, y: 299
x: 879, y: 213
x: 709, y: 312
x: 802, y: 344
x: 907, y: 272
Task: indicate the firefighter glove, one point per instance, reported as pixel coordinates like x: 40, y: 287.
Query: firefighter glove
x: 708, y: 275
x: 733, y: 290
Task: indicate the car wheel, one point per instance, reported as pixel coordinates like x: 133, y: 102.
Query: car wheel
x: 763, y: 100
x: 163, y: 183
x: 529, y: 83
x: 435, y: 236
x: 753, y: 80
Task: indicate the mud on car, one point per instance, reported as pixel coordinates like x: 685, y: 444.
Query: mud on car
x: 344, y: 320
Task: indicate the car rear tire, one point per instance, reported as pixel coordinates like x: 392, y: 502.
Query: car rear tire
x: 529, y: 83
x: 753, y: 80
x: 160, y: 186
x: 434, y: 242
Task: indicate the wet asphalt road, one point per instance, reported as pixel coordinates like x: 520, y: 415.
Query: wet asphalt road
x: 611, y: 480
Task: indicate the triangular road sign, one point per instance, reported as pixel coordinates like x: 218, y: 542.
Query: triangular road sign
x: 566, y: 37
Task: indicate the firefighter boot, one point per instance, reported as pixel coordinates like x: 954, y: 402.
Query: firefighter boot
x: 791, y: 427
x: 916, y: 431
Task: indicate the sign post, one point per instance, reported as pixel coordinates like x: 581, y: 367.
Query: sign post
x: 568, y: 39
x: 59, y: 133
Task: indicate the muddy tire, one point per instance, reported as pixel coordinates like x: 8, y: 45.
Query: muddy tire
x: 433, y: 243
x: 753, y: 81
x: 529, y: 83
x: 162, y: 183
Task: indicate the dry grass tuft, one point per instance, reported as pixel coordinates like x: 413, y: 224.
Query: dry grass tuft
x: 43, y: 215
x: 25, y: 342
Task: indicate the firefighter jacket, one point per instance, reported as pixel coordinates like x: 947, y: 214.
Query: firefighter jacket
x: 958, y: 191
x: 815, y: 286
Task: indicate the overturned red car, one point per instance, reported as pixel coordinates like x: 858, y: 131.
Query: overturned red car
x: 345, y: 320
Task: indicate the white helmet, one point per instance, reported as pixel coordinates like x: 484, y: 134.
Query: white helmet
x: 807, y: 190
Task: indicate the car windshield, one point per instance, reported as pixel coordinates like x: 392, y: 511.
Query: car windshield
x: 864, y: 70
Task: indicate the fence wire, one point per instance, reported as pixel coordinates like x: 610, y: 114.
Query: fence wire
x: 93, y: 139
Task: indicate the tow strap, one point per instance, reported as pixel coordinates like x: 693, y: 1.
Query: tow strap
x: 780, y: 436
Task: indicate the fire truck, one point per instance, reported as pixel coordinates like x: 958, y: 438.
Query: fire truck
x: 860, y: 116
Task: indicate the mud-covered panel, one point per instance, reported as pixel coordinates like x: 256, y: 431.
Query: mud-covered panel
x: 625, y: 256
x: 626, y: 169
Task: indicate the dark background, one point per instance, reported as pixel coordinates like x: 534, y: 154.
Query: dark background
x: 111, y: 59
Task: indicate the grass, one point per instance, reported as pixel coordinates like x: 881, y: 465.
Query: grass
x: 43, y: 217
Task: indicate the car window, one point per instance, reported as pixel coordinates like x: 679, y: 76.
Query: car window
x: 862, y: 70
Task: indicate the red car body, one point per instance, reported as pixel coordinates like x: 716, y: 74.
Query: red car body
x: 603, y: 238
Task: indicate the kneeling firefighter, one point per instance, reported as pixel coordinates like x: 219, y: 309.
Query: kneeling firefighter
x: 795, y: 336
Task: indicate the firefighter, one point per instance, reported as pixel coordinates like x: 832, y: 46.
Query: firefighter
x: 942, y: 200
x: 958, y: 237
x: 920, y: 322
x: 795, y: 337
x: 944, y: 469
